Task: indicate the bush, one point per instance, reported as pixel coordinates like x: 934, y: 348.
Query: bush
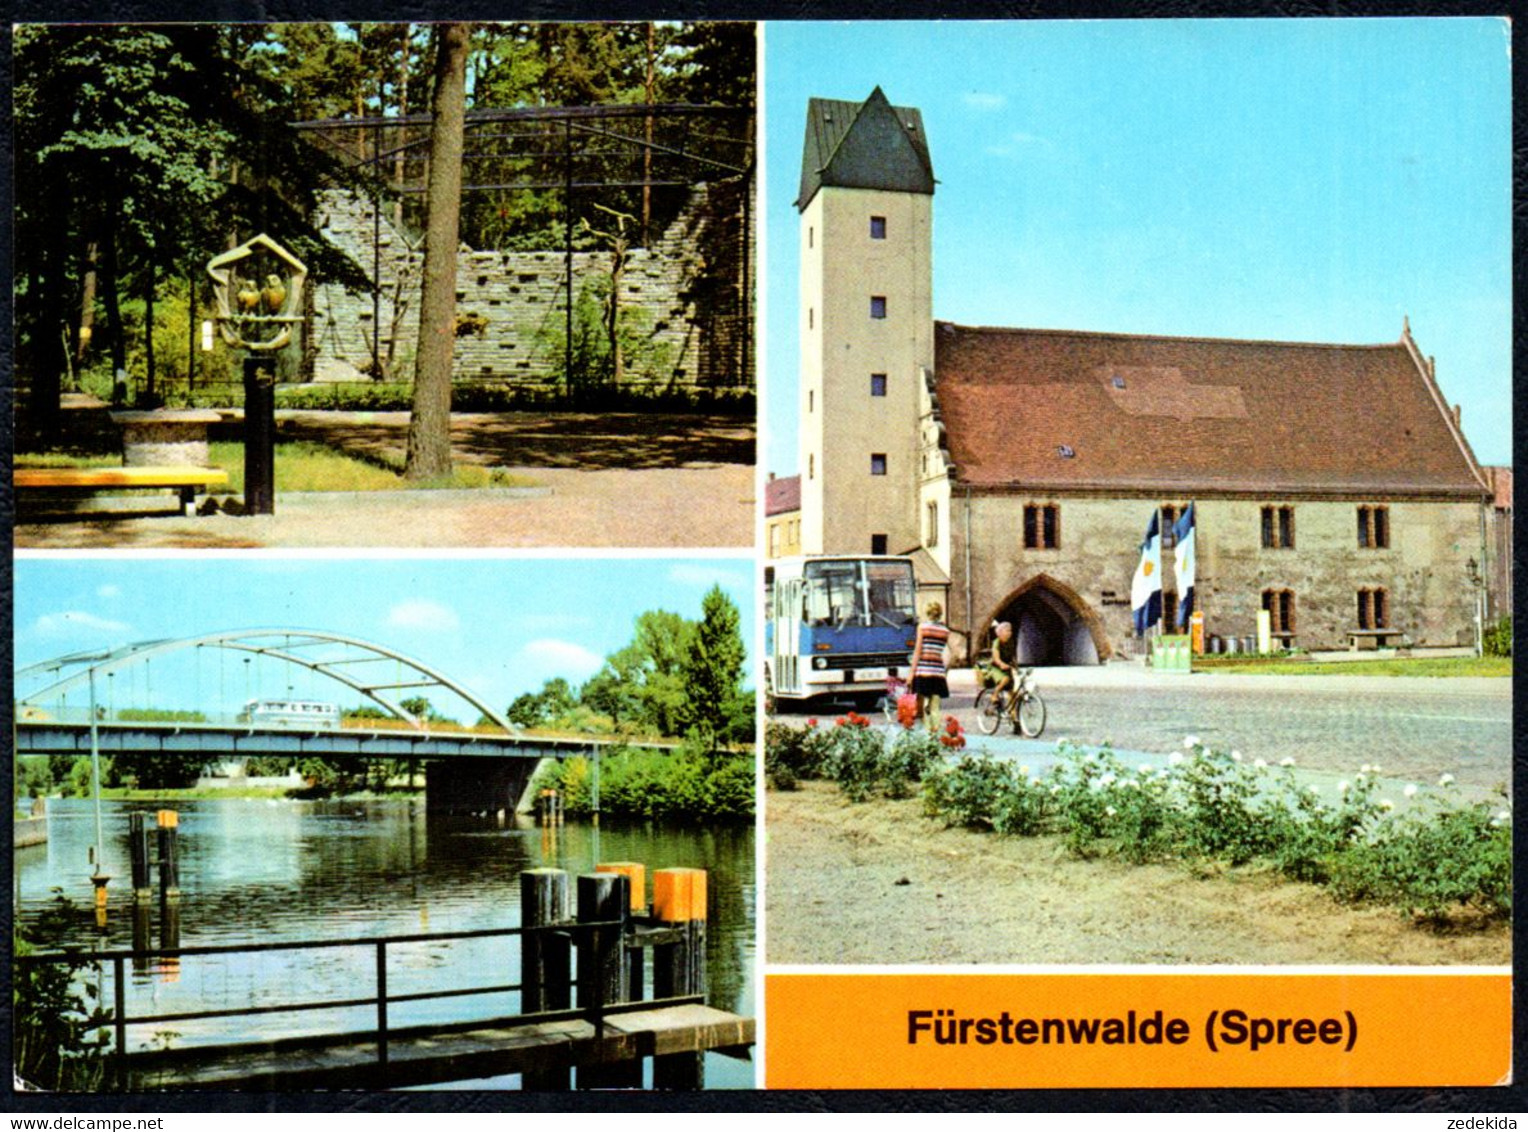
x: 58, y: 1023
x: 695, y: 781
x: 1498, y: 638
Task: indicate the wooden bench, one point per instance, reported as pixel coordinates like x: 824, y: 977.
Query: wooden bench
x: 1375, y: 637
x: 73, y: 489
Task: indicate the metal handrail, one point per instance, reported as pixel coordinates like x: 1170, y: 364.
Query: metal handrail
x: 595, y: 1011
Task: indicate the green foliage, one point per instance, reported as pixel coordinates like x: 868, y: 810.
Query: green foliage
x: 150, y: 771
x: 712, y: 669
x: 691, y: 782
x: 794, y: 753
x: 58, y: 1022
x: 1437, y: 857
x: 160, y: 715
x: 1498, y: 638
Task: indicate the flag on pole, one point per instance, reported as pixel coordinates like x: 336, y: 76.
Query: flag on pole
x: 1183, y: 563
x: 1146, y: 586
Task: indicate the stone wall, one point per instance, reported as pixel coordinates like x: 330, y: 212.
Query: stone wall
x: 1423, y: 569
x: 689, y: 298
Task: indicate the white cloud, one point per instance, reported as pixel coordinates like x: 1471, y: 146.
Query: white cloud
x: 548, y: 657
x: 109, y: 592
x: 430, y: 616
x: 984, y: 100
x: 704, y: 576
x: 74, y: 621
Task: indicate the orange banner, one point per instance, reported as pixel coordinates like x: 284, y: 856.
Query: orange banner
x: 1083, y: 1030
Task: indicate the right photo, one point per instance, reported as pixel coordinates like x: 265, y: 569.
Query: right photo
x: 1138, y: 523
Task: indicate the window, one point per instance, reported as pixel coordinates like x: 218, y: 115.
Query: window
x: 1169, y: 610
x: 811, y: 318
x: 1169, y: 517
x: 878, y: 463
x: 809, y: 231
x: 1279, y: 528
x: 877, y: 306
x: 877, y: 544
x: 878, y: 385
x: 932, y: 538
x: 878, y: 227
x: 1280, y: 605
x: 811, y: 466
x: 1374, y: 528
x: 811, y: 399
x: 1373, y: 608
x: 1042, y: 526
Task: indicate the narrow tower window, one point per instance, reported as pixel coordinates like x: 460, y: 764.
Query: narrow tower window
x: 878, y: 385
x: 878, y: 463
x: 878, y: 227
x: 877, y: 306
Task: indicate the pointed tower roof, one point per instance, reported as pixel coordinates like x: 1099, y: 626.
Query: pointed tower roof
x: 864, y: 145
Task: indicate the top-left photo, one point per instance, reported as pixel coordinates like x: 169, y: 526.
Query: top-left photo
x: 384, y: 285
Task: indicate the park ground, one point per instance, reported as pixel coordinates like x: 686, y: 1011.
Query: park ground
x: 591, y: 479
x: 880, y: 883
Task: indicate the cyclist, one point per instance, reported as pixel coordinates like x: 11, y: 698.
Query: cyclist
x: 1004, y: 659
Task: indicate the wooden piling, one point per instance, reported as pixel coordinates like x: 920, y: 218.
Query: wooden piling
x: 636, y: 875
x: 138, y: 851
x: 679, y: 901
x: 169, y: 867
x: 545, y: 960
x: 602, y: 970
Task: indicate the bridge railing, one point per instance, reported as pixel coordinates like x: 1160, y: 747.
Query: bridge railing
x: 607, y: 940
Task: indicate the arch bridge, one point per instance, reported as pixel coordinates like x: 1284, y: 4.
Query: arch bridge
x: 502, y: 757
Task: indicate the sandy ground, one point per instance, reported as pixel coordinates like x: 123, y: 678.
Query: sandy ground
x: 602, y: 480
x: 879, y: 883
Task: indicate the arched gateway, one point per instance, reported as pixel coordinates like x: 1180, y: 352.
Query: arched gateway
x: 1052, y: 624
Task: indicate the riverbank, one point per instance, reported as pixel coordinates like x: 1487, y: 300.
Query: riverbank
x: 880, y: 883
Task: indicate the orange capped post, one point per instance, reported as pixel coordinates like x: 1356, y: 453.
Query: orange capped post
x: 679, y: 895
x: 679, y: 967
x: 168, y: 819
x: 634, y: 872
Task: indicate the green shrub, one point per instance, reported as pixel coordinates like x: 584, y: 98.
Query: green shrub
x: 1498, y: 638
x: 695, y: 781
x: 58, y: 1022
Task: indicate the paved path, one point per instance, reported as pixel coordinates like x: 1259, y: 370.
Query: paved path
x: 606, y: 480
x: 1416, y: 728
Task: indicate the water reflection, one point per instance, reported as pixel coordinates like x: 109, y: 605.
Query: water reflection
x: 265, y: 871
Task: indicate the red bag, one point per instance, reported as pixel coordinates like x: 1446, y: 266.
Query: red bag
x: 907, y: 710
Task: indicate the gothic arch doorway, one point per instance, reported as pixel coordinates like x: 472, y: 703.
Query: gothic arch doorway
x: 1052, y: 625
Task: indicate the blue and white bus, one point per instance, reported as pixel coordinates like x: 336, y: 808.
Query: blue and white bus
x: 838, y: 626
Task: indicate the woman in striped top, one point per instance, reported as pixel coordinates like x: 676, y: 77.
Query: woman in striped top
x: 928, y: 664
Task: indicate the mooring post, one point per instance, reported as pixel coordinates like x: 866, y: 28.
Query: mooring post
x: 679, y: 969
x: 603, y: 898
x: 138, y: 850
x: 545, y: 960
x: 169, y: 870
x: 636, y: 876
x: 259, y: 435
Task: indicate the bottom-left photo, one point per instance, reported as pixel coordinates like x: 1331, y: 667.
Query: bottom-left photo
x: 315, y: 823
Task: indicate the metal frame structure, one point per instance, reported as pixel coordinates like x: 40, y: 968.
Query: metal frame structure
x: 585, y: 144
x: 275, y: 644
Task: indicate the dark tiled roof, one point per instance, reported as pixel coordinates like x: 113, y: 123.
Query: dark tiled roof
x: 864, y: 145
x: 1059, y: 409
x: 782, y: 495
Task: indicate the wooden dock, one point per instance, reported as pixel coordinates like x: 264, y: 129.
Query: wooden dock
x: 434, y: 1055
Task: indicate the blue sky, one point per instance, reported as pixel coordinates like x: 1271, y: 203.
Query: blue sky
x: 1292, y: 180
x: 499, y: 626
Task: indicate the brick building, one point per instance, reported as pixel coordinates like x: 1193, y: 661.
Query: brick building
x: 1333, y: 485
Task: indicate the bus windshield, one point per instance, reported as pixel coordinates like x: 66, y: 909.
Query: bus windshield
x: 859, y: 592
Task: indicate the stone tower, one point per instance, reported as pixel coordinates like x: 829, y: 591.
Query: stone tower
x: 867, y: 332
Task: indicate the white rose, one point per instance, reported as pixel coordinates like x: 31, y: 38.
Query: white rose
x: 1190, y: 742
x: 1411, y: 790
x: 1446, y: 780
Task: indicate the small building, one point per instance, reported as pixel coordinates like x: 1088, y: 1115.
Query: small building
x: 1332, y: 483
x: 782, y: 516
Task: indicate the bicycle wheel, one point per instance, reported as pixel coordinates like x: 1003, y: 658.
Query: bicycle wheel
x: 989, y: 711
x: 1031, y: 715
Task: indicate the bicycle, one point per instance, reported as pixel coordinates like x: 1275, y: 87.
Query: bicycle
x: 1021, y: 705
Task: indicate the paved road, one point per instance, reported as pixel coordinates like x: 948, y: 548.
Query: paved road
x: 1415, y: 728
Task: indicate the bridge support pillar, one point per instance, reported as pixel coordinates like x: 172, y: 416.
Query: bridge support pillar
x: 472, y: 786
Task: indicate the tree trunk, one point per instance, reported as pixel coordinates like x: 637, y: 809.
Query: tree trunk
x: 399, y: 169
x: 87, y: 301
x: 112, y: 299
x: 148, y: 327
x: 429, y: 441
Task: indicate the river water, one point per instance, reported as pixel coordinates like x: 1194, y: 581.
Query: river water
x: 257, y: 870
